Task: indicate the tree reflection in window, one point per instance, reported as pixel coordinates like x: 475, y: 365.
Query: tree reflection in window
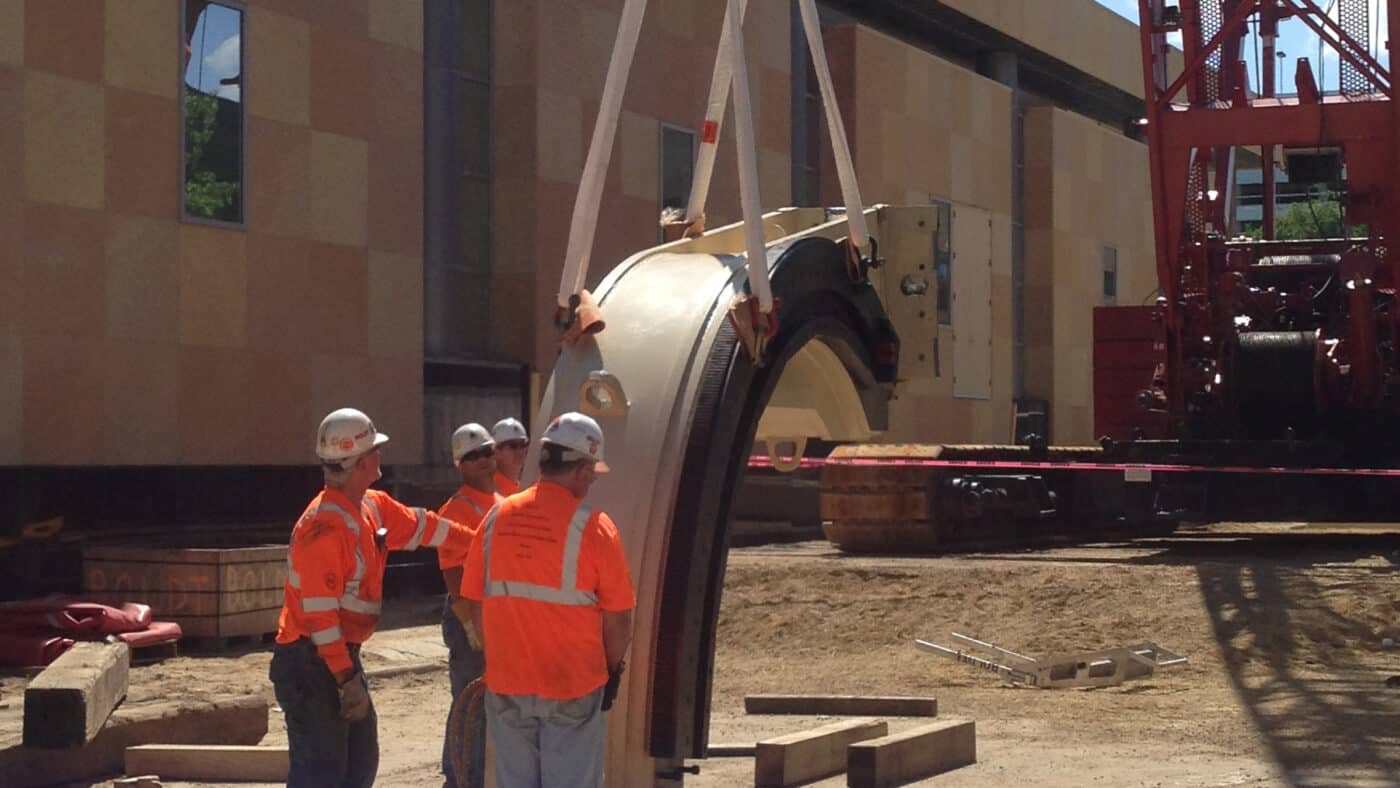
x: 213, y: 111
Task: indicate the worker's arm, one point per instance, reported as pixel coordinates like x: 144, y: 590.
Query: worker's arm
x: 411, y: 527
x: 617, y: 636
x: 318, y: 576
x: 478, y: 626
x: 452, y: 578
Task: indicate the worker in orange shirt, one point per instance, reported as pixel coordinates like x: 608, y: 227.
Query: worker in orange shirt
x: 512, y: 442
x: 332, y: 596
x: 473, y: 451
x: 551, y: 599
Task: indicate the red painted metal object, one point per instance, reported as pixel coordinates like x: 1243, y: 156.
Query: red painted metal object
x: 1264, y: 338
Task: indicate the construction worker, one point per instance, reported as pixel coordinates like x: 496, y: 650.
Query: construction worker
x: 551, y: 600
x: 473, y: 451
x: 512, y: 442
x: 335, y: 580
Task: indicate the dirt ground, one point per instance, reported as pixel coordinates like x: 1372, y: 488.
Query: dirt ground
x: 1282, y: 625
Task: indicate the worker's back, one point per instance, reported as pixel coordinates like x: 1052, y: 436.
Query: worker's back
x: 551, y: 567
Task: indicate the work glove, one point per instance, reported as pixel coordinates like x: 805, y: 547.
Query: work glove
x: 461, y: 608
x: 354, y: 698
x: 614, y: 681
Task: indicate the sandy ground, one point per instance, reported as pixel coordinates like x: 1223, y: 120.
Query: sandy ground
x: 1282, y: 626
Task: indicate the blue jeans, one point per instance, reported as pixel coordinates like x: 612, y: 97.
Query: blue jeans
x: 463, y: 665
x: 326, y: 751
x: 542, y: 743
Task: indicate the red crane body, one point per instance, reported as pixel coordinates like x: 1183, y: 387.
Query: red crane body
x: 1260, y: 338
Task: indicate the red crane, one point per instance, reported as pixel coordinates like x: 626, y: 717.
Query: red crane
x: 1263, y: 338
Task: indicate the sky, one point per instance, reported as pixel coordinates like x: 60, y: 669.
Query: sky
x: 1295, y: 39
x: 215, y: 51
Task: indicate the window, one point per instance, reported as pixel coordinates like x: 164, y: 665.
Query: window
x: 943, y: 262
x: 1110, y: 276
x: 677, y: 165
x: 212, y: 155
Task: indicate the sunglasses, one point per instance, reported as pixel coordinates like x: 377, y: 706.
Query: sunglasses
x: 512, y: 445
x: 479, y: 454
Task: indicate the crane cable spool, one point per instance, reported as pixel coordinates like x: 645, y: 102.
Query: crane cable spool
x: 462, y: 720
x: 1273, y: 382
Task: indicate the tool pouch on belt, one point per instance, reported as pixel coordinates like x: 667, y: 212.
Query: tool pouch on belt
x: 614, y: 681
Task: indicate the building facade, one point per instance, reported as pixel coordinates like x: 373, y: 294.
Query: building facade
x: 224, y: 219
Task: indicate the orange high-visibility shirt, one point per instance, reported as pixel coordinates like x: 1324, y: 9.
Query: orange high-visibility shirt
x: 335, y: 568
x: 505, y: 485
x: 545, y: 567
x: 466, y: 506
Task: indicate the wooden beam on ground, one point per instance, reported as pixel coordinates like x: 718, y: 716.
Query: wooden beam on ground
x: 222, y: 720
x: 209, y: 762
x: 809, y: 755
x: 912, y: 755
x: 69, y: 702
x: 842, y: 705
x: 730, y: 750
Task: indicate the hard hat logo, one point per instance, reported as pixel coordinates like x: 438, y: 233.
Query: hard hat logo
x: 346, y: 444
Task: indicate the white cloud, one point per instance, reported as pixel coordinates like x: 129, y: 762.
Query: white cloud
x: 223, y: 61
x: 231, y: 92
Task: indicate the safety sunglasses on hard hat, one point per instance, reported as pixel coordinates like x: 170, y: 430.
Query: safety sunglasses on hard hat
x: 479, y: 454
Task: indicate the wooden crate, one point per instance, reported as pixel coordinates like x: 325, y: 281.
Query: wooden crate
x: 209, y: 592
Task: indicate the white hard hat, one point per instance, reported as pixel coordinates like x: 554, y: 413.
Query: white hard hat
x: 581, y: 435
x: 509, y: 430
x: 346, y: 433
x: 468, y: 438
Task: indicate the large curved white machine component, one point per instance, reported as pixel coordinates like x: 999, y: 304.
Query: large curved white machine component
x: 681, y: 404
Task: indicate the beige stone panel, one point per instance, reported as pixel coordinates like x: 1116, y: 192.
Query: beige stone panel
x: 340, y: 83
x: 143, y: 154
x: 279, y: 404
x: 12, y: 32
x: 11, y: 400
x: 676, y: 17
x: 638, y: 152
x: 64, y: 38
x: 279, y: 66
x: 213, y: 286
x: 11, y: 196
x: 940, y: 92
x: 338, y: 300
x: 396, y: 197
x: 62, y: 390
x: 561, y: 136
x: 213, y: 406
x: 894, y: 143
x: 142, y: 278
x: 513, y: 236
x: 279, y: 177
x: 960, y: 102
x: 395, y: 93
x: 775, y: 178
x: 342, y: 16
x: 513, y: 155
x: 773, y: 109
x: 141, y: 34
x: 939, y: 171
x: 917, y: 70
x: 396, y: 307
x: 64, y: 141
x: 575, y: 44
x: 140, y: 426
x: 397, y: 22
x: 963, y: 169
x: 279, y: 280
x: 339, y: 188
x: 767, y: 35
x: 62, y: 272
x: 516, y: 64
x: 515, y: 327
x: 398, y: 408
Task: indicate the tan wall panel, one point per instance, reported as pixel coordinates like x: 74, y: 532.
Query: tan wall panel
x: 396, y: 196
x: 639, y: 155
x: 397, y: 22
x: 142, y: 279
x: 64, y: 142
x: 340, y: 83
x: 213, y: 286
x: 279, y: 178
x: 65, y: 38
x: 63, y: 400
x: 139, y: 410
x: 396, y: 307
x: 279, y: 66
x: 141, y: 35
x: 63, y: 272
x: 279, y: 277
x: 336, y: 306
x: 395, y: 93
x: 11, y: 400
x: 143, y: 153
x: 279, y: 400
x: 12, y: 32
x: 339, y: 188
x: 213, y: 405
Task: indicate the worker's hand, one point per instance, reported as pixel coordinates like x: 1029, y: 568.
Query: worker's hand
x: 461, y: 608
x: 614, y: 681
x: 354, y: 698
